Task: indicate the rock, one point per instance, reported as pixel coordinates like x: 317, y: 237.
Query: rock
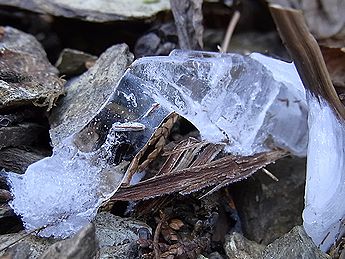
x: 26, y: 75
x: 236, y: 246
x: 295, y: 244
x: 21, y: 245
x: 159, y: 41
x: 81, y: 245
x: 86, y: 94
x: 24, y: 138
x: 118, y: 236
x: 96, y: 11
x: 5, y: 195
x: 18, y: 159
x: 73, y: 62
x: 23, y: 134
x: 215, y: 255
x: 269, y: 209
x: 6, y: 211
x: 108, y: 237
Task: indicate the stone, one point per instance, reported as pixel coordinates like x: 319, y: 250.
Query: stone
x: 268, y: 209
x: 95, y: 11
x: 26, y: 75
x: 118, y: 236
x: 86, y: 94
x: 295, y: 244
x: 109, y: 236
x: 159, y: 41
x: 236, y: 246
x: 21, y: 245
x: 18, y: 159
x: 81, y: 245
x: 73, y: 62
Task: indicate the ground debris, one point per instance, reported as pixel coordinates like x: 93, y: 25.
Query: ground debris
x: 196, y: 171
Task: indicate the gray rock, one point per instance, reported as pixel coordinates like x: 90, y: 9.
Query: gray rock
x: 73, y: 62
x: 87, y: 93
x: 23, y: 134
x: 108, y: 237
x: 26, y: 76
x: 21, y: 245
x: 18, y: 159
x: 295, y: 244
x: 81, y: 245
x: 269, y: 209
x: 118, y: 236
x: 160, y: 41
x: 236, y: 246
x: 6, y: 211
x: 215, y: 255
x: 95, y: 10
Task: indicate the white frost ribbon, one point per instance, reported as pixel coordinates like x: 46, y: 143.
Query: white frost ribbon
x: 325, y: 190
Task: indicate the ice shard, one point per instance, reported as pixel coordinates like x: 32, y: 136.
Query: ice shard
x: 324, y: 212
x: 249, y: 103
x: 63, y: 192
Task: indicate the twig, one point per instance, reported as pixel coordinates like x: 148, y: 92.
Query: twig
x: 306, y: 54
x: 223, y: 171
x: 270, y: 174
x: 156, y: 237
x: 230, y: 30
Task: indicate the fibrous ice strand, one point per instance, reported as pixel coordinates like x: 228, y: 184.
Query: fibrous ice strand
x: 249, y: 103
x: 324, y: 212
